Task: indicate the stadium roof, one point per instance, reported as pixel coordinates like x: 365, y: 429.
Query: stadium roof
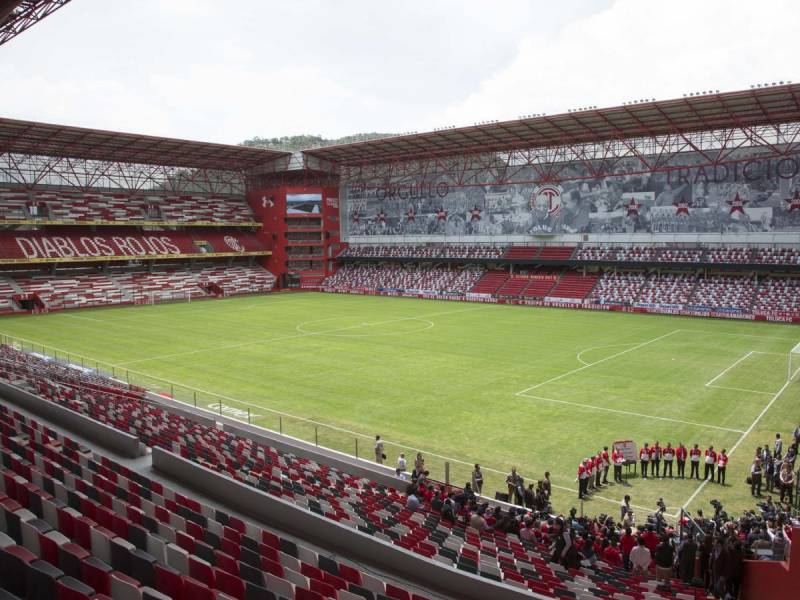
x: 760, y: 106
x: 18, y: 15
x: 29, y: 137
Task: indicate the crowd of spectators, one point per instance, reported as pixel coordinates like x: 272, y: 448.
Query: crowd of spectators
x: 704, y: 552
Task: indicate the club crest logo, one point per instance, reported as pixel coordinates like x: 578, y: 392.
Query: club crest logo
x: 547, y: 197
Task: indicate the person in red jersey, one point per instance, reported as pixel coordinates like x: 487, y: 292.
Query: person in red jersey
x: 644, y: 459
x: 650, y: 539
x: 722, y: 463
x: 710, y: 461
x: 627, y: 543
x: 606, y: 464
x: 669, y: 456
x: 611, y: 553
x: 694, y: 459
x: 619, y: 460
x: 590, y: 466
x: 680, y: 456
x: 598, y: 470
x: 582, y: 480
x: 655, y: 459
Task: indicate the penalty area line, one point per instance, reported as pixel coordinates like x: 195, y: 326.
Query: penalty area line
x: 602, y: 360
x: 742, y: 438
x: 627, y: 412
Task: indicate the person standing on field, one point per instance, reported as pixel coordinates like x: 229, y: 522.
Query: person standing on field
x: 477, y: 479
x: 401, y: 465
x: 619, y: 461
x: 669, y: 455
x: 379, y: 455
x: 655, y: 460
x: 680, y: 456
x: 694, y: 460
x: 755, y: 478
x: 644, y: 459
x: 722, y: 464
x: 606, y: 464
x: 710, y: 460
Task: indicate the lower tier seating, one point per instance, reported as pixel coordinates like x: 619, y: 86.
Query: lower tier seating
x: 76, y: 524
x: 119, y: 287
x: 438, y: 280
x: 118, y: 530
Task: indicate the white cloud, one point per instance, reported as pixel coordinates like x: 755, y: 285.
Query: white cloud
x: 188, y: 68
x: 636, y: 49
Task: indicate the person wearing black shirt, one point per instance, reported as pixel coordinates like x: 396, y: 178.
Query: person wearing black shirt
x: 664, y: 555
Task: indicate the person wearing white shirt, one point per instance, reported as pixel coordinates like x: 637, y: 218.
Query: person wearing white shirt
x: 401, y: 465
x: 640, y: 559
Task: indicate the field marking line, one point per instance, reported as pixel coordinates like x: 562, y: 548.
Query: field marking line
x: 742, y: 438
x: 81, y: 317
x: 602, y: 360
x: 628, y: 412
x: 290, y: 337
x: 580, y: 354
x: 750, y: 335
x: 746, y: 356
x: 737, y: 389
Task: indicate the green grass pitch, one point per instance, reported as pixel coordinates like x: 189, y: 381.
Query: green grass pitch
x: 499, y: 385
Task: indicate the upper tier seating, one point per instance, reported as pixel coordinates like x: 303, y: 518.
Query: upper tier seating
x: 778, y: 296
x: 778, y: 256
x: 108, y: 504
x: 118, y: 287
x: 522, y: 252
x: 667, y: 289
x: 556, y: 253
x: 75, y: 520
x: 93, y: 206
x: 681, y: 255
x: 618, y: 288
x: 438, y: 280
x: 720, y: 292
x: 730, y: 255
x: 425, y: 251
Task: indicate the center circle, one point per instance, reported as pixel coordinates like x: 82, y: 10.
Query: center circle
x: 355, y: 327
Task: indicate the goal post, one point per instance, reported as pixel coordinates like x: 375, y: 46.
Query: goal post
x: 794, y: 363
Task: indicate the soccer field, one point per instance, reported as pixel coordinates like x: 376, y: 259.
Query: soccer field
x: 495, y: 384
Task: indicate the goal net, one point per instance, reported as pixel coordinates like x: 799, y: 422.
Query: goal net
x: 794, y: 363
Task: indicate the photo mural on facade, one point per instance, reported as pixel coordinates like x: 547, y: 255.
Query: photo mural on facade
x: 743, y: 193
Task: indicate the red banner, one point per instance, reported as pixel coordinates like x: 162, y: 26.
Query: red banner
x: 42, y: 246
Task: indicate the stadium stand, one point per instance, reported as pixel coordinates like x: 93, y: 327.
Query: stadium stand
x: 618, y: 288
x: 103, y: 528
x: 131, y: 287
x: 668, y: 289
x: 439, y: 280
x: 573, y: 286
x: 18, y: 205
x: 778, y: 296
x: 522, y: 252
x: 490, y: 282
x: 106, y: 529
x: 724, y: 293
x: 425, y: 251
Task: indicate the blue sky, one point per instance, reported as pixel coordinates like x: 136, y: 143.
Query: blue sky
x: 187, y: 68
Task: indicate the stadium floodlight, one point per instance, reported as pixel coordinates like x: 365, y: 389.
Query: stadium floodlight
x: 794, y: 363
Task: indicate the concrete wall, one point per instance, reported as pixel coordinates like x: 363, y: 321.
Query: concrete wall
x: 105, y: 436
x: 332, y: 535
